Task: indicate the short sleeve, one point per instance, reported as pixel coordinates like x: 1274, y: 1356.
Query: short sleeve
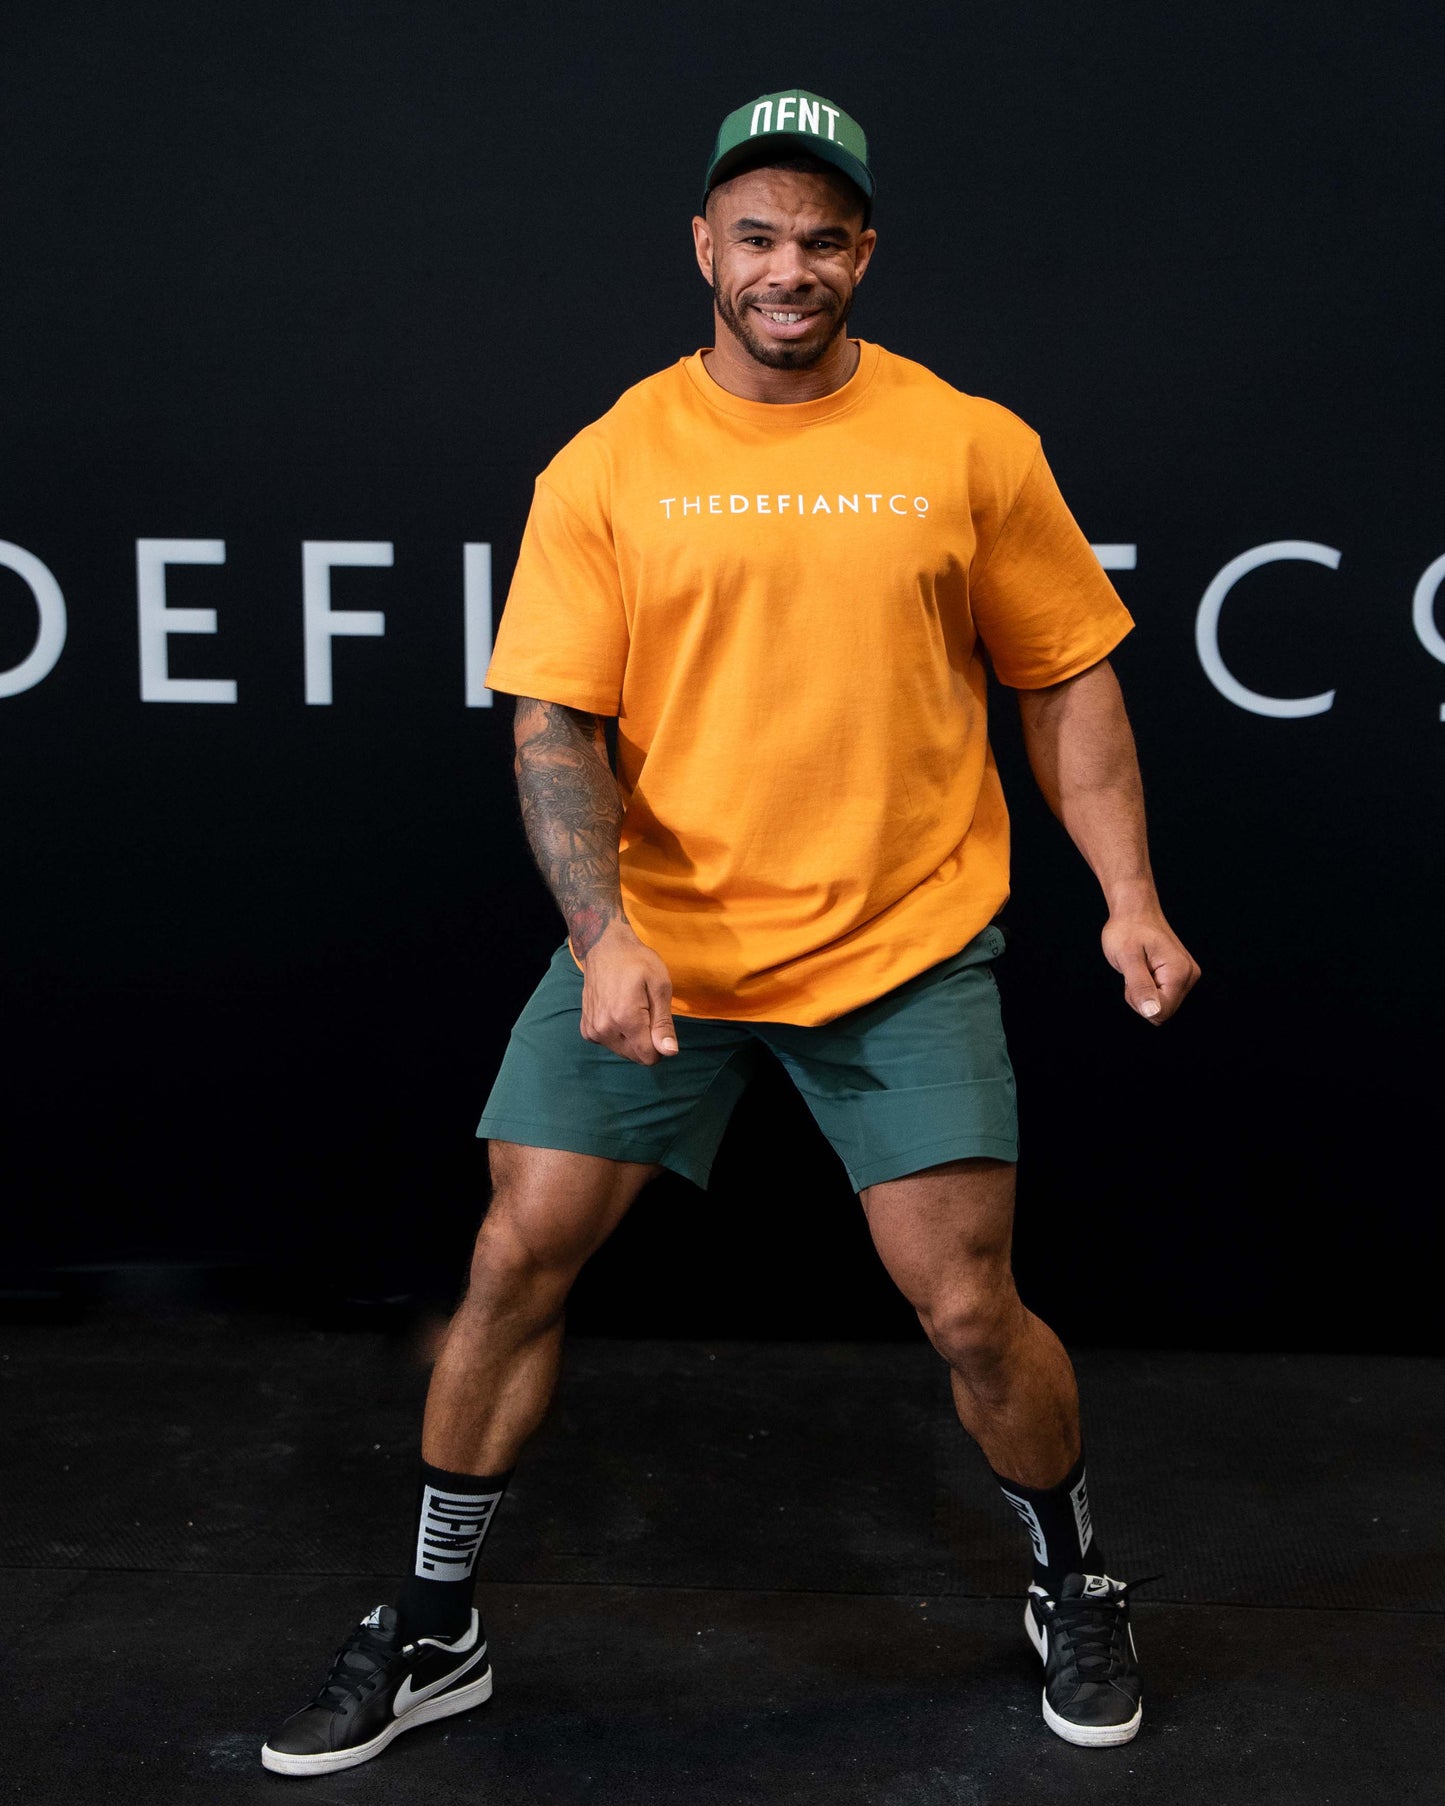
x: 563, y: 633
x: 1041, y: 602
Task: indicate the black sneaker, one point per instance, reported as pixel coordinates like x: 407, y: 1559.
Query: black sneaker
x: 379, y: 1687
x: 1091, y: 1668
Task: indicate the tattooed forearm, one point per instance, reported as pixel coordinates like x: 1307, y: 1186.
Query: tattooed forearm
x: 572, y: 813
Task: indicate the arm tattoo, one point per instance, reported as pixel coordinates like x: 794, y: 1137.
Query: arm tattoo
x: 572, y: 814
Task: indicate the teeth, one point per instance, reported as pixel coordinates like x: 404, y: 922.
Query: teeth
x: 787, y: 319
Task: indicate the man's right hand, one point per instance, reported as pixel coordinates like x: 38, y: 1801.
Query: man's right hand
x: 627, y: 997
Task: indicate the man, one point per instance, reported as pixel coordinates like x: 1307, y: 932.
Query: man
x: 778, y: 565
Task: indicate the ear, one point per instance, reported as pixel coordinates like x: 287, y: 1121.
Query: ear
x: 702, y: 245
x: 863, y: 253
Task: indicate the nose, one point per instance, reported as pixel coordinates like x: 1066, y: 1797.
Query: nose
x: 788, y: 267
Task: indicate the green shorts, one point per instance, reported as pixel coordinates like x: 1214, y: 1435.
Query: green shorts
x: 919, y: 1076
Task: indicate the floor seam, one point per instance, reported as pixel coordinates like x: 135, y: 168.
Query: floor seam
x: 641, y: 1586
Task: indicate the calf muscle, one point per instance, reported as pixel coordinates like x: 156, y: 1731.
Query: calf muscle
x: 497, y: 1369
x: 944, y: 1236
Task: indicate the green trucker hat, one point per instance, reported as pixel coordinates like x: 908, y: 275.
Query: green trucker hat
x: 791, y: 120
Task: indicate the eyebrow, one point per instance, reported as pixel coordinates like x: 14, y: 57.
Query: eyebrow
x: 763, y: 225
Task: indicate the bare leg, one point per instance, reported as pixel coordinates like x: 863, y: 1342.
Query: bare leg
x: 497, y: 1369
x: 944, y: 1235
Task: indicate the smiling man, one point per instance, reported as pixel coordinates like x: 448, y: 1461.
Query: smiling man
x: 778, y: 565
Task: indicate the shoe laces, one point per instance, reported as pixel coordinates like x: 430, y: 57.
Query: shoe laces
x: 364, y: 1654
x: 1094, y: 1626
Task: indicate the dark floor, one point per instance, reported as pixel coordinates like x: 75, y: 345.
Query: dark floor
x: 725, y: 1574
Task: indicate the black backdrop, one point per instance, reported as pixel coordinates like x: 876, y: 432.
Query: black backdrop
x: 354, y: 272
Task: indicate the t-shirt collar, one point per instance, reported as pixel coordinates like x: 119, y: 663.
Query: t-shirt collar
x: 783, y: 416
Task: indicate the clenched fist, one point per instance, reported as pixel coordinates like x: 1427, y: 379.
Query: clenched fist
x: 627, y: 997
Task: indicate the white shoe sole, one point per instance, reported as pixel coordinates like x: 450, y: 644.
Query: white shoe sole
x: 1085, y: 1735
x: 473, y: 1694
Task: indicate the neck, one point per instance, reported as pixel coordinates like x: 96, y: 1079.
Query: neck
x: 732, y: 369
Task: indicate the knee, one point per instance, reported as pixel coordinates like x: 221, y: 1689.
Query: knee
x: 549, y: 1213
x: 973, y: 1324
x: 510, y: 1276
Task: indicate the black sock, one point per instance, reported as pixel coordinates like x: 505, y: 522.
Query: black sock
x: 453, y: 1514
x: 1059, y: 1526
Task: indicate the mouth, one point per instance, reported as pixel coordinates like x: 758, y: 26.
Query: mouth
x: 786, y: 322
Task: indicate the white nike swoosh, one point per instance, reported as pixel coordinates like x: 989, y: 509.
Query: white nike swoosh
x: 407, y: 1696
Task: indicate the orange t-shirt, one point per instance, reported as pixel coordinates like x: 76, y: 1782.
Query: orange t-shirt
x: 786, y: 607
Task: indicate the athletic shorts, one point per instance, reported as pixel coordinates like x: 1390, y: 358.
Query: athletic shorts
x: 919, y: 1076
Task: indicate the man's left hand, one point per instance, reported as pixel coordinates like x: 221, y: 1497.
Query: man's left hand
x: 1157, y: 968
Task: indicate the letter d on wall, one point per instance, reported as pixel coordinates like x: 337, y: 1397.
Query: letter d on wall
x: 40, y: 661
x: 1206, y: 629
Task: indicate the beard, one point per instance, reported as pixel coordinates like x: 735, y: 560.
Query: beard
x: 768, y: 351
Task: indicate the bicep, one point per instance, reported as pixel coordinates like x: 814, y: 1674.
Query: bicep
x: 540, y: 728
x: 564, y: 630
x: 1090, y: 693
x: 1077, y: 732
x: 1041, y: 603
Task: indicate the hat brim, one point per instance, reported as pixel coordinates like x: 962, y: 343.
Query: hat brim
x: 767, y: 144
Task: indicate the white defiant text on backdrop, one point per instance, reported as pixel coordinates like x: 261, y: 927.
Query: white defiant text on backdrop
x: 157, y: 622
